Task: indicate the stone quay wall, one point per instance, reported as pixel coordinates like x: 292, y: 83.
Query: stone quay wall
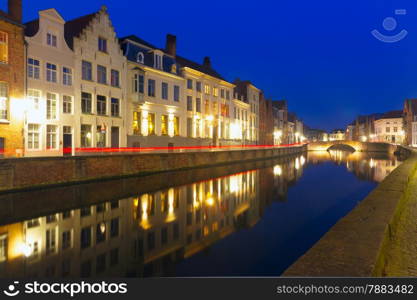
x: 28, y: 173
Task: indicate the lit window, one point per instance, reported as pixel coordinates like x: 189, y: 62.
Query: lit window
x: 51, y: 39
x: 4, y: 100
x: 4, y: 49
x: 176, y: 126
x: 164, y: 125
x: 67, y: 104
x: 51, y: 72
x: 66, y: 76
x: 102, y: 44
x: 115, y: 78
x: 34, y: 96
x: 51, y: 104
x: 33, y: 68
x: 215, y: 91
x: 151, y: 124
x: 33, y: 136
x: 101, y: 74
x: 3, y: 247
x: 137, y: 120
x: 207, y: 89
x: 101, y: 136
x: 85, y: 135
x: 51, y: 137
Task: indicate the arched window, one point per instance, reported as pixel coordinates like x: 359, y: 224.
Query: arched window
x: 140, y: 57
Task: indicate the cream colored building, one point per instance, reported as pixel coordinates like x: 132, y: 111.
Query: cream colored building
x: 389, y: 129
x: 51, y: 114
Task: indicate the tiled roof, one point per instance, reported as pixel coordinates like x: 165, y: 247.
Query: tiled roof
x: 392, y: 114
x: 138, y: 40
x: 74, y: 28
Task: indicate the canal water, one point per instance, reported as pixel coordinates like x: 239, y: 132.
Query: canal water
x: 252, y: 219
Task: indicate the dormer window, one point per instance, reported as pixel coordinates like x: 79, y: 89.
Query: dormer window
x: 158, y: 61
x: 140, y: 58
x: 51, y: 39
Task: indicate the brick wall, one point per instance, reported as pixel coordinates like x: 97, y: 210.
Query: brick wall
x: 13, y: 73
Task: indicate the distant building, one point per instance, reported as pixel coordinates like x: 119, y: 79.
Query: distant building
x: 315, y: 135
x: 280, y: 116
x: 410, y: 122
x: 12, y: 70
x: 266, y: 122
x: 337, y: 135
x: 389, y: 128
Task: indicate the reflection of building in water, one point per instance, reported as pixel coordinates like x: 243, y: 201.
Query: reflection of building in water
x: 363, y: 165
x: 142, y: 235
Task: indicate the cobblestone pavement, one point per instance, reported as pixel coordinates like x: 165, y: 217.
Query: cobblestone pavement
x: 402, y: 251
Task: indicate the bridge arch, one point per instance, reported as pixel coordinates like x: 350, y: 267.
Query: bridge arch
x: 342, y: 147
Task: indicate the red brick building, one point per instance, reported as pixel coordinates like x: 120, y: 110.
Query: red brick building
x: 266, y: 121
x: 12, y: 74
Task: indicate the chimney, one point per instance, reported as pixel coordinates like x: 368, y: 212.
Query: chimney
x: 207, y: 62
x: 15, y: 10
x: 171, y: 44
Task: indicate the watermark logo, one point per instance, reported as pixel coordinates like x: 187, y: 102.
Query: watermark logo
x: 390, y: 24
x: 12, y: 290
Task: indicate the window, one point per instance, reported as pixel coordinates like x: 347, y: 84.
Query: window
x: 85, y: 135
x: 34, y: 96
x: 198, y: 105
x: 85, y: 237
x: 176, y: 126
x: 158, y: 61
x: 87, y: 71
x: 189, y: 127
x: 151, y: 88
x: 51, y: 137
x: 101, y: 207
x: 176, y: 93
x: 114, y: 204
x: 33, y: 136
x: 101, y: 136
x: 4, y: 47
x: 114, y: 227
x: 151, y: 124
x: 228, y: 95
x: 215, y: 91
x: 3, y: 247
x: 101, y: 105
x: 137, y: 123
x: 51, y: 39
x: 67, y: 214
x: 51, y: 104
x: 115, y: 78
x: 100, y: 232
x: 101, y: 263
x: 222, y: 93
x: 66, y: 104
x: 388, y: 129
x: 66, y: 239
x: 51, y: 72
x: 86, y: 103
x: 4, y: 101
x: 189, y: 84
x: 138, y: 83
x: 102, y: 44
x: 395, y: 129
x: 101, y: 74
x: 32, y: 223
x: 189, y: 103
x: 164, y: 125
x: 206, y: 107
x: 114, y: 256
x: 207, y: 89
x: 50, y: 241
x: 198, y: 86
x: 164, y: 88
x: 33, y: 68
x: 115, y: 107
x: 140, y: 57
x: 66, y: 76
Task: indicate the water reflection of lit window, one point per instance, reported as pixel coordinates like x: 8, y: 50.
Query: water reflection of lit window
x: 3, y: 247
x: 205, y: 230
x: 277, y: 170
x: 297, y: 163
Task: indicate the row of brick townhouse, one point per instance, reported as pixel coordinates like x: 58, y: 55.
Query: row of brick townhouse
x: 83, y: 87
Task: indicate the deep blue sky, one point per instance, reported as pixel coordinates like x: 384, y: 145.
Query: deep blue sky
x: 319, y: 55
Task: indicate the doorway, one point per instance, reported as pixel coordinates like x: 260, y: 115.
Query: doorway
x: 115, y: 137
x: 67, y: 139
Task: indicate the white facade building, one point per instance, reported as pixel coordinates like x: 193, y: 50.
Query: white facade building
x: 389, y: 130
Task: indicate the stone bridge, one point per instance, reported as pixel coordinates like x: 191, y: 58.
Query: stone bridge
x: 352, y: 145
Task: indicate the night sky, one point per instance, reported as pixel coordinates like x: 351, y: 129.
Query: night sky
x: 319, y: 55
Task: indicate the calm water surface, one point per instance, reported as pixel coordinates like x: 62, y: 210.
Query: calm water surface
x: 251, y: 219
